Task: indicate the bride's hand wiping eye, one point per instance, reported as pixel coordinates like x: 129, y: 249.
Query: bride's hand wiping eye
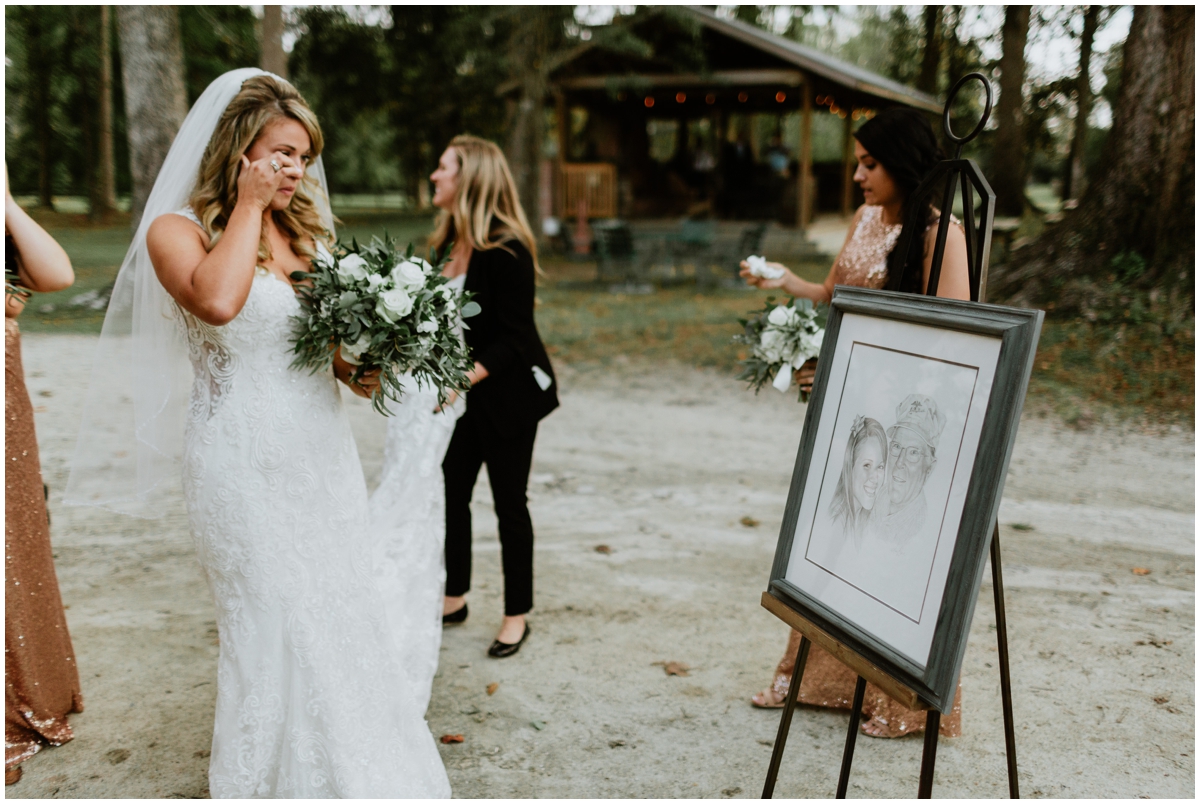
x: 259, y: 181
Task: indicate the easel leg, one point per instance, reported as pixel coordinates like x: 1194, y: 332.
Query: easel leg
x: 785, y: 722
x: 1010, y: 735
x: 933, y: 722
x: 860, y: 689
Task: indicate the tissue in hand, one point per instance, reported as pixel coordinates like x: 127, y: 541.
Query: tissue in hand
x: 759, y: 268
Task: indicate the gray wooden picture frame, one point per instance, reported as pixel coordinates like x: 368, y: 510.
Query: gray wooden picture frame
x: 1018, y: 331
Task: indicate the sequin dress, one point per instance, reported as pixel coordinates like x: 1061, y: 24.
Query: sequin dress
x: 827, y: 682
x: 862, y: 262
x: 41, y: 684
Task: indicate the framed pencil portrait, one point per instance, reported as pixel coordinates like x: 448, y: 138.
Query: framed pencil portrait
x: 898, y: 480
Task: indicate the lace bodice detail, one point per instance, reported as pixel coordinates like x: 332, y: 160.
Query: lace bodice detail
x: 863, y: 260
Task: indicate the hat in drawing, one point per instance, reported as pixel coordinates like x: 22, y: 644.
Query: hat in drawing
x: 920, y: 415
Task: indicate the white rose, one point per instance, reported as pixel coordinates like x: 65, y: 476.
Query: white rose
x: 409, y: 275
x: 448, y: 292
x: 352, y: 352
x: 810, y: 345
x: 773, y: 343
x: 430, y: 326
x: 352, y: 268
x: 394, y: 304
x: 780, y: 316
x: 375, y: 282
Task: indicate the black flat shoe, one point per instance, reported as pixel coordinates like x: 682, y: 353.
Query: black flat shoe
x: 455, y: 617
x: 500, y: 650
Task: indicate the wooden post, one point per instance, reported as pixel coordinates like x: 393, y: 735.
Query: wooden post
x: 847, y: 168
x: 805, y: 206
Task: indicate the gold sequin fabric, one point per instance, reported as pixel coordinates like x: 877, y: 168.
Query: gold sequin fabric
x: 863, y: 260
x: 829, y: 683
x: 41, y: 683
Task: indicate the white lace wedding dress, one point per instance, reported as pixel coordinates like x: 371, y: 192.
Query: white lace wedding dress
x: 408, y: 515
x: 313, y: 697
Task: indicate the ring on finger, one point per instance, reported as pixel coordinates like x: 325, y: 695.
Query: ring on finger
x: 274, y: 165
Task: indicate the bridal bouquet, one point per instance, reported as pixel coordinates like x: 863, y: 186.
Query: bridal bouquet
x: 388, y: 310
x: 782, y: 338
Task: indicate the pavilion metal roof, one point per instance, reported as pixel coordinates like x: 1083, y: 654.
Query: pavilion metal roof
x: 814, y: 61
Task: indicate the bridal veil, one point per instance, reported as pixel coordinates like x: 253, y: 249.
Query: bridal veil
x: 128, y: 454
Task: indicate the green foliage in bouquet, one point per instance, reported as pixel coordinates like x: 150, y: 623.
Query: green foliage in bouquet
x: 782, y: 338
x: 389, y: 311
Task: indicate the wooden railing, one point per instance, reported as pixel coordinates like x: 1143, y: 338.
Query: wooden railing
x: 594, y: 184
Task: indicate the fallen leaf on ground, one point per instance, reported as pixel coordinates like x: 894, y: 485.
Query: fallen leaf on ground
x: 1141, y: 571
x: 1161, y: 699
x: 451, y: 738
x: 537, y: 724
x: 1158, y: 643
x: 749, y: 522
x: 603, y: 548
x: 674, y: 668
x: 615, y: 743
x: 1021, y: 526
x: 491, y: 688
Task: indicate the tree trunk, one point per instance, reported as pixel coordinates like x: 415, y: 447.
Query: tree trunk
x: 951, y: 23
x: 931, y: 55
x: 1134, y: 227
x: 1009, y: 150
x: 155, y: 96
x: 1073, y: 180
x: 274, y: 59
x: 41, y: 64
x: 104, y: 204
x: 525, y: 138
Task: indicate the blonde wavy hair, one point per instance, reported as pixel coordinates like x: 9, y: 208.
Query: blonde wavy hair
x: 262, y: 100
x: 487, y: 212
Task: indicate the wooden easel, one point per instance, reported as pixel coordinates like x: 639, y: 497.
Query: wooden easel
x: 979, y: 241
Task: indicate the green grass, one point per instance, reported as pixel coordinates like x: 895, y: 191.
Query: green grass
x: 1082, y: 369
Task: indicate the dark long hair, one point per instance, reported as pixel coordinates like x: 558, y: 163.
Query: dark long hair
x: 902, y: 140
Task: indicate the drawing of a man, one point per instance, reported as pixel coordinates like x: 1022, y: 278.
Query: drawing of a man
x: 912, y: 454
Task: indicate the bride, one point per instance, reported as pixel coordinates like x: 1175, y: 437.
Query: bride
x: 313, y: 697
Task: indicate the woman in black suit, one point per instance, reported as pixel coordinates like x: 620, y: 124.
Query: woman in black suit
x: 512, y: 382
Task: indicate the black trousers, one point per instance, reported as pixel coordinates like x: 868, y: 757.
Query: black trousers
x: 508, y: 460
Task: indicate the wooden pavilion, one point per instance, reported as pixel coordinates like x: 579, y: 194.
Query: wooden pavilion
x: 640, y: 138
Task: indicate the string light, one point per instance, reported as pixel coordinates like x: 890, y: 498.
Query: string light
x: 780, y: 97
x: 743, y: 97
x: 710, y: 99
x: 680, y: 97
x: 649, y: 101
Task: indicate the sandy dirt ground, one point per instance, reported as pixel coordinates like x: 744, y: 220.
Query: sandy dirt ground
x: 660, y: 465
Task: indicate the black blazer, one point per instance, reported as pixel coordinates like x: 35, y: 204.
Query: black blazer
x: 504, y: 338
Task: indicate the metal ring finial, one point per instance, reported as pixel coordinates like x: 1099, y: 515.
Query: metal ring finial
x: 987, y: 109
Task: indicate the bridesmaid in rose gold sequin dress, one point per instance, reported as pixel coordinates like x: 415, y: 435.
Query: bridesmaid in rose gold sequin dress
x: 895, y: 151
x: 41, y: 684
